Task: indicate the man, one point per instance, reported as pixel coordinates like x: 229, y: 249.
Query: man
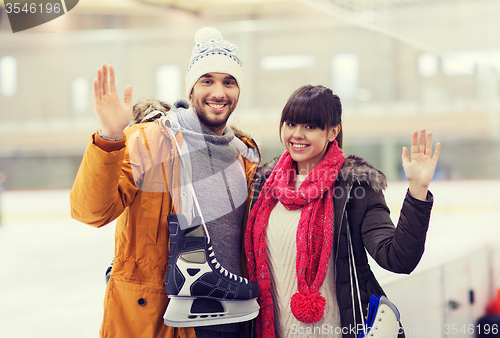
x: 187, y: 163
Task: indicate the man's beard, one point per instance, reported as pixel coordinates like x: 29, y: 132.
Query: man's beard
x: 204, y: 116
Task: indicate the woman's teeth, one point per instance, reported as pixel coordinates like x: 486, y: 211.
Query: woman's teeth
x: 295, y: 145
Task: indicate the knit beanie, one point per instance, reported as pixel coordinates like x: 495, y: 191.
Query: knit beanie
x: 213, y: 54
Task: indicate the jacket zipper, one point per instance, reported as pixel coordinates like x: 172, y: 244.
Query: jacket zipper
x: 338, y: 237
x: 341, y: 219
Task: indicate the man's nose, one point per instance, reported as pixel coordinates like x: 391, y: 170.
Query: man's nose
x: 218, y: 91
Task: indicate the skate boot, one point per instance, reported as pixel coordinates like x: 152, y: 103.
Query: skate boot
x: 195, y: 278
x: 382, y: 320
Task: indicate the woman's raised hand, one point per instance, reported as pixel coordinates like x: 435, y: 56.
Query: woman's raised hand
x: 113, y: 115
x: 420, y: 165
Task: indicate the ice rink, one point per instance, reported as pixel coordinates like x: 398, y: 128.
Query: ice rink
x: 52, y: 267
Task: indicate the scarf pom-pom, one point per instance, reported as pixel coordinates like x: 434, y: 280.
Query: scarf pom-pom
x: 308, y: 309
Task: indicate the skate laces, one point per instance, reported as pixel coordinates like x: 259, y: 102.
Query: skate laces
x: 212, y: 253
x: 221, y: 268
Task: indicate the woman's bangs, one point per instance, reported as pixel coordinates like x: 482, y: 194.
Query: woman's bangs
x: 302, y: 113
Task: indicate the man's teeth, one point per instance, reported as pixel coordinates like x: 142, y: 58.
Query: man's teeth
x: 295, y: 145
x: 216, y: 106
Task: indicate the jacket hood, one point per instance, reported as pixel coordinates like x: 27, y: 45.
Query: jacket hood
x: 239, y: 133
x: 355, y: 169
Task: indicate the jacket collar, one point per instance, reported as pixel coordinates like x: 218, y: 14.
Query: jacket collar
x: 356, y: 169
x: 244, y: 144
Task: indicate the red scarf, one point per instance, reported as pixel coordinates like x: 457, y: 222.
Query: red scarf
x: 314, y: 235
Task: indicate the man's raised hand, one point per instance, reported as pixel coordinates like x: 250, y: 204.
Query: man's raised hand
x: 113, y: 115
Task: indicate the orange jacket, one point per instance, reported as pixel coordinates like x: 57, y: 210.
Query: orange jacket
x: 110, y: 185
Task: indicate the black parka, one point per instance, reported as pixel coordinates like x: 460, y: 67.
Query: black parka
x: 359, y: 192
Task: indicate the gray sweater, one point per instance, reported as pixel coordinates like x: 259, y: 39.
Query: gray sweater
x: 220, y: 186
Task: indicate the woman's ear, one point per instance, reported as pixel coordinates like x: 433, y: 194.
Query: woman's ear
x: 333, y: 132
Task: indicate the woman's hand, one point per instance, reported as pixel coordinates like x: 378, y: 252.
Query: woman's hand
x: 113, y: 115
x: 419, y: 169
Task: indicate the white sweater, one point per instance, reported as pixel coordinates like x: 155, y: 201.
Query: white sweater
x: 282, y: 253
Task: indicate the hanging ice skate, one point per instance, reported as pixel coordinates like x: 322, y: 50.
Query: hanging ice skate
x: 382, y: 320
x: 383, y: 316
x: 194, y: 275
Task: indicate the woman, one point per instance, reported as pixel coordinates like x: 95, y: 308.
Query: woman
x: 296, y: 238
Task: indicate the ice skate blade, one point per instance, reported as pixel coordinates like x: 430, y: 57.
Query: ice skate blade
x: 178, y: 313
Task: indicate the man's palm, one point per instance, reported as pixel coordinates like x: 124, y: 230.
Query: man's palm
x: 113, y: 115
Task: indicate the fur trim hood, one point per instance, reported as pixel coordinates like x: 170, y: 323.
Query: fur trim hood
x: 355, y: 169
x: 238, y: 132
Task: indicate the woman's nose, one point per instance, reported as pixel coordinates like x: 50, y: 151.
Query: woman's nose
x: 299, y: 132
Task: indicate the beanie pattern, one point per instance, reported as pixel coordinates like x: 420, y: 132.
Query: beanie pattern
x: 213, y: 47
x: 213, y: 54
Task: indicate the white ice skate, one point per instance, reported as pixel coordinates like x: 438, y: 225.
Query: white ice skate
x: 195, y: 281
x: 382, y: 320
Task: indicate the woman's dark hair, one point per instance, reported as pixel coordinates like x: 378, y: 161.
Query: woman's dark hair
x: 314, y: 105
